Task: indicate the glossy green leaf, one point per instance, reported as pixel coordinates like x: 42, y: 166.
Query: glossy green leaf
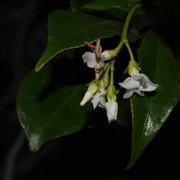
x: 150, y: 112
x: 47, y: 117
x: 67, y: 30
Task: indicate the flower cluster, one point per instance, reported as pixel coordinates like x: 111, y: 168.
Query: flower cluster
x: 101, y: 91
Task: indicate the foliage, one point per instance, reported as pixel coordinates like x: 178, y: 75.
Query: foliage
x: 46, y: 116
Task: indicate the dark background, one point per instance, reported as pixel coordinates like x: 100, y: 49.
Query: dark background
x: 99, y: 153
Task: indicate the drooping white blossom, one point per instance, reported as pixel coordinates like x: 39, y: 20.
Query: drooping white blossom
x: 138, y: 84
x: 99, y: 99
x: 111, y: 110
x: 111, y: 104
x: 89, y: 93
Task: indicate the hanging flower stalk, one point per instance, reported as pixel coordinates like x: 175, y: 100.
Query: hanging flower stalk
x: 101, y: 91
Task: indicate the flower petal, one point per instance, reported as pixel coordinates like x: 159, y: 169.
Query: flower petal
x: 100, y: 63
x: 141, y: 93
x: 102, y: 103
x: 130, y: 83
x: 89, y: 58
x: 150, y: 87
x: 111, y: 110
x: 147, y: 85
x: 128, y: 93
x: 95, y: 100
x: 87, y: 96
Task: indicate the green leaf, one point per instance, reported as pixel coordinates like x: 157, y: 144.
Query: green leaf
x: 67, y: 30
x: 124, y: 111
x: 178, y: 72
x: 77, y: 4
x: 47, y: 117
x: 125, y: 5
x: 150, y: 112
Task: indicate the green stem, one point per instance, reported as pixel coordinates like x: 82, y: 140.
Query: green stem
x: 129, y: 50
x: 112, y: 73
x: 123, y: 41
x: 106, y: 68
x: 128, y: 19
x: 126, y: 26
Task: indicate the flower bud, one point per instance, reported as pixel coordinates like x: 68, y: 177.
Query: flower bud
x: 133, y: 68
x: 111, y: 93
x: 89, y: 93
x: 109, y: 54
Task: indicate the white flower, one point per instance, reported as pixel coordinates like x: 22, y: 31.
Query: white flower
x: 111, y: 110
x: 99, y: 99
x: 94, y: 59
x: 139, y: 84
x: 111, y: 104
x: 91, y: 60
x: 89, y: 93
